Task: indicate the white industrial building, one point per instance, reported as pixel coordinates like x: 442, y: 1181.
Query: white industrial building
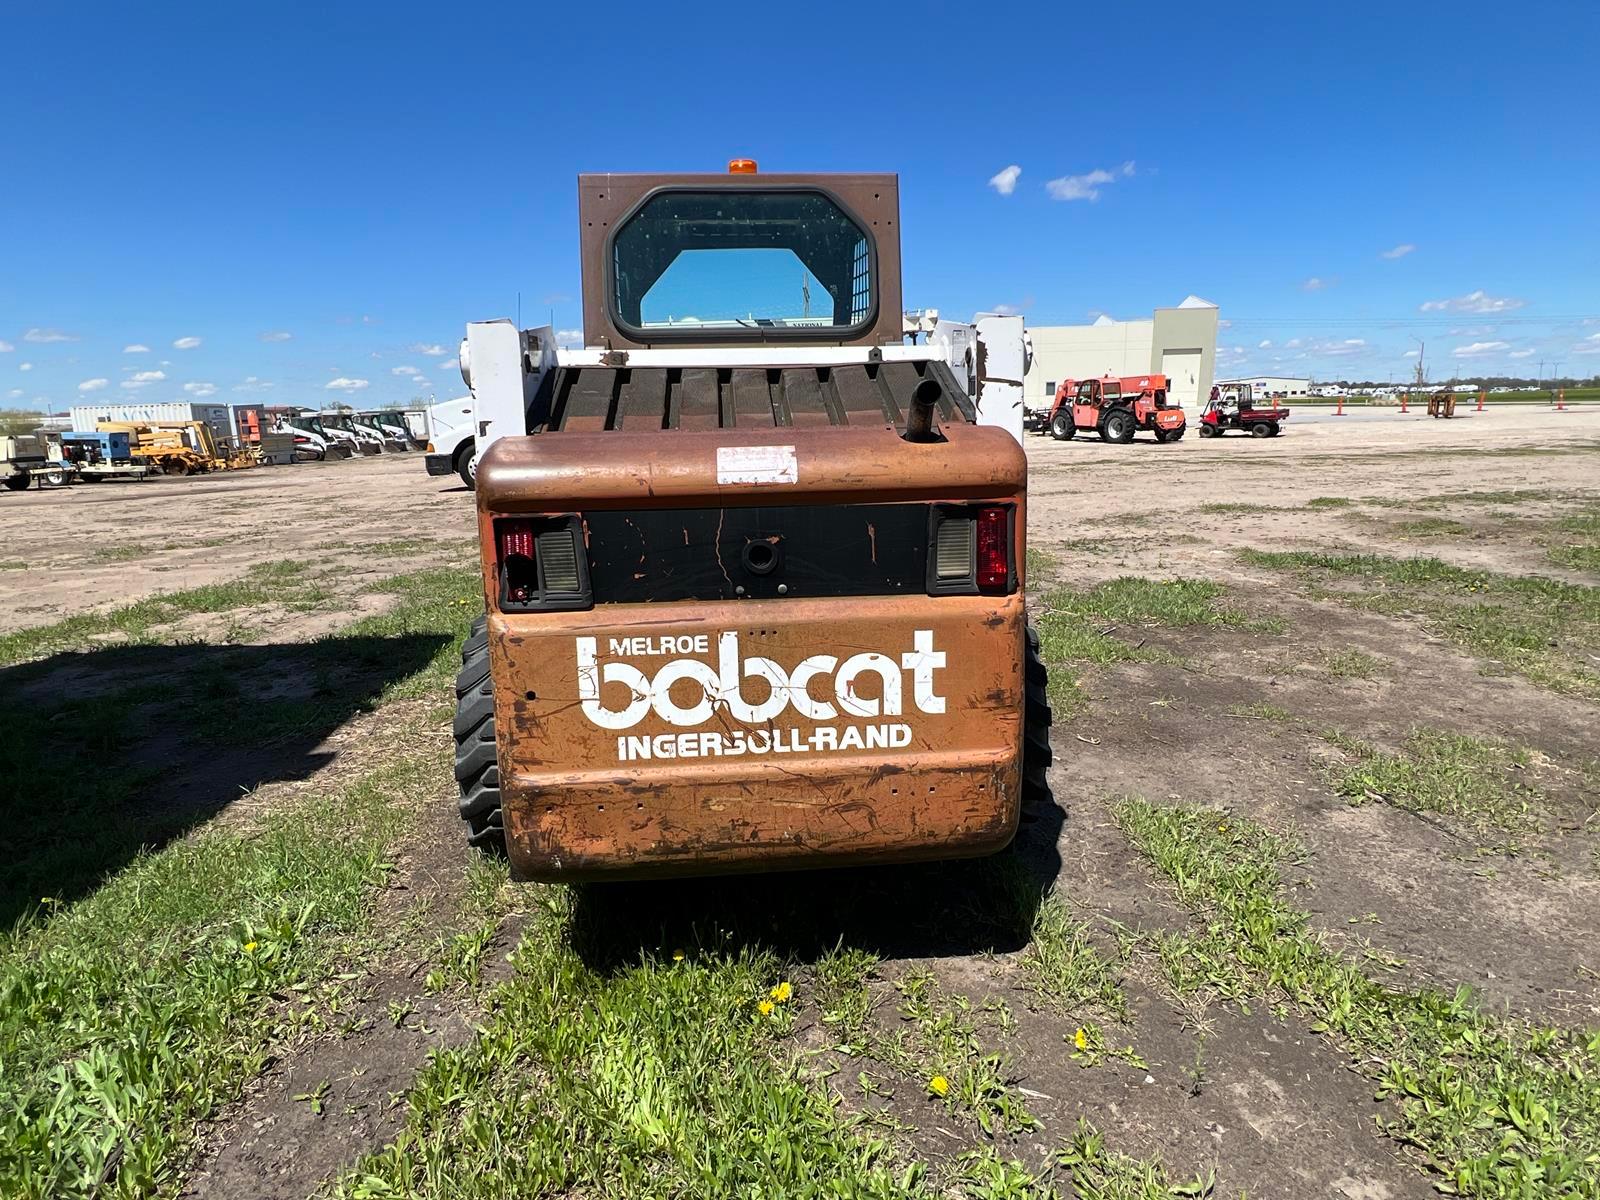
x: 1180, y: 343
x: 1286, y: 387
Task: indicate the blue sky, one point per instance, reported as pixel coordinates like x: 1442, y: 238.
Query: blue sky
x: 282, y: 202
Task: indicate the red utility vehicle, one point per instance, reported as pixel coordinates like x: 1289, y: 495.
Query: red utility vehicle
x: 1116, y: 408
x: 1233, y: 407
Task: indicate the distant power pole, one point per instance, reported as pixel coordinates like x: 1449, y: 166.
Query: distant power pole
x: 1422, y: 349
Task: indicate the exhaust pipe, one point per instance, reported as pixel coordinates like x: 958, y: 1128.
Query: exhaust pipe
x: 920, y: 426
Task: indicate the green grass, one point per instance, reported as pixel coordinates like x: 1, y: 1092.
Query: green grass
x: 1476, y: 781
x: 1499, y: 1106
x: 1064, y: 969
x: 656, y: 1078
x: 1491, y: 498
x: 1430, y: 527
x: 1543, y: 629
x: 1261, y: 711
x: 1039, y: 566
x: 1351, y: 663
x: 141, y: 986
x: 1077, y: 625
x: 121, y: 552
x: 1228, y: 507
x: 1575, y: 540
x: 1329, y: 502
x: 130, y: 1015
x: 142, y: 621
x: 100, y: 755
x: 1097, y: 1173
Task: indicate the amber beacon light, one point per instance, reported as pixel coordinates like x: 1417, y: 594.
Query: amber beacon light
x: 741, y: 166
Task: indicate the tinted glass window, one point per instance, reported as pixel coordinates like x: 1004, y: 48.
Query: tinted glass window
x: 723, y: 260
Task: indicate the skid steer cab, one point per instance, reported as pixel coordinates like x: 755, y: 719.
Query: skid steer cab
x: 1116, y: 409
x: 754, y: 576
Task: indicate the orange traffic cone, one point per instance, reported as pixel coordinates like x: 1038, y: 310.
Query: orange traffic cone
x: 1403, y: 398
x: 1480, y: 402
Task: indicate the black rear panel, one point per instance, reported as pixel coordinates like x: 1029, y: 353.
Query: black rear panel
x: 592, y: 399
x: 660, y: 555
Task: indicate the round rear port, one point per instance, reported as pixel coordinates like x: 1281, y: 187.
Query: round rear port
x: 761, y: 556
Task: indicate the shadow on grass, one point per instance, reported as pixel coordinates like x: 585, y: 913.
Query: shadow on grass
x: 923, y: 910
x: 109, y: 752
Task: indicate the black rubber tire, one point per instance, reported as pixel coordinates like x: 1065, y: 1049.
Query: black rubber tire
x: 1177, y: 434
x: 1061, y: 426
x: 1117, y: 426
x: 1162, y: 435
x: 467, y: 465
x: 1261, y: 429
x: 1208, y: 431
x: 19, y: 483
x: 1036, y: 752
x: 477, y: 759
x: 1274, y: 429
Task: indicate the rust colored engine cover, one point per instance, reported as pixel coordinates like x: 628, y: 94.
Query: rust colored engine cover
x: 695, y: 735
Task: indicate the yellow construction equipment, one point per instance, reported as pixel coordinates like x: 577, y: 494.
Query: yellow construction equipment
x: 178, y: 447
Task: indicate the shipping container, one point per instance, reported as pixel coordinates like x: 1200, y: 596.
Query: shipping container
x: 87, y: 416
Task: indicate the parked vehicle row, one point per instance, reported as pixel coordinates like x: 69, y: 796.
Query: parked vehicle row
x: 136, y: 441
x: 1116, y: 408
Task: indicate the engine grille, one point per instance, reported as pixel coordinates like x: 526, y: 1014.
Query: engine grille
x: 592, y: 399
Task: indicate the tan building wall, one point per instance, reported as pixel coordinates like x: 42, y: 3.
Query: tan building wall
x: 1180, y: 342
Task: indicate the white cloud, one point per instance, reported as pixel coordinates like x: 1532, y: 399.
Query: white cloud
x: 24, y: 366
x: 136, y: 348
x: 1005, y: 181
x: 404, y: 371
x: 1264, y: 344
x: 143, y: 379
x: 433, y: 350
x: 1400, y: 251
x: 1473, y: 302
x: 569, y: 337
x: 200, y: 389
x: 1314, y: 284
x: 1478, y: 349
x: 1410, y: 354
x: 1521, y: 354
x: 1589, y: 345
x: 252, y: 384
x: 1086, y: 187
x: 48, y: 335
x: 186, y: 343
x: 13, y: 393
x: 342, y: 384
x: 6, y: 347
x: 93, y: 385
x: 1009, y: 310
x: 276, y: 335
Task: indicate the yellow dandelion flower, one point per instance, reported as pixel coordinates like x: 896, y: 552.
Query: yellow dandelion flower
x: 939, y: 1085
x: 249, y: 947
x: 782, y: 992
x: 677, y: 956
x: 765, y: 1008
x: 1080, y: 1039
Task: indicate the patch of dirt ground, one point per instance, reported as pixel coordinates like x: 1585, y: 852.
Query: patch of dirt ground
x: 1270, y: 1104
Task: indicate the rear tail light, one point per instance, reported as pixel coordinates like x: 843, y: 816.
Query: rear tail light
x: 542, y: 564
x: 994, y: 549
x: 970, y: 550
